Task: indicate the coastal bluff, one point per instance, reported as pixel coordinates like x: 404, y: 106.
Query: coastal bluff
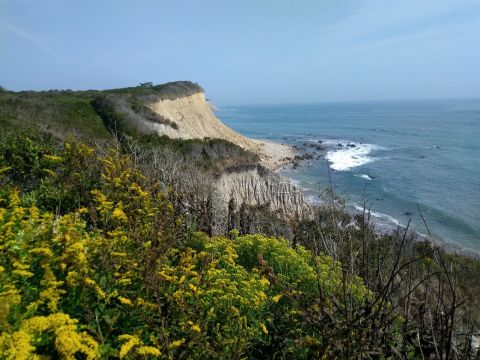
x: 181, y: 111
x: 177, y: 110
x: 194, y: 119
x: 257, y: 187
x: 174, y: 115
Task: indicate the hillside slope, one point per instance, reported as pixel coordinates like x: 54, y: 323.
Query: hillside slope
x: 174, y: 115
x: 195, y: 119
x: 177, y: 110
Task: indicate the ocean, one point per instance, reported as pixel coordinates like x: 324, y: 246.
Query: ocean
x: 401, y: 156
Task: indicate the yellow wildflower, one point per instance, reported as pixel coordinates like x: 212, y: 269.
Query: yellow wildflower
x: 18, y: 345
x: 23, y: 273
x: 125, y: 301
x: 20, y: 266
x: 139, y: 190
x: 68, y: 341
x: 176, y: 344
x: 49, y: 172
x: 148, y: 350
x: 97, y: 288
x: 119, y: 214
x: 41, y: 251
x: 166, y: 276
x: 277, y: 298
x: 103, y: 204
x: 53, y: 158
x: 34, y: 213
x: 119, y: 254
x: 193, y: 288
x: 264, y: 282
x: 89, y: 281
x: 125, y: 281
x: 132, y: 341
x: 264, y: 328
x: 14, y: 198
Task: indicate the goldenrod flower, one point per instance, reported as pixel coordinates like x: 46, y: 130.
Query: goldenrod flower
x: 148, y: 350
x: 176, y: 344
x: 132, y: 341
x: 125, y: 301
x: 119, y: 214
x: 277, y: 298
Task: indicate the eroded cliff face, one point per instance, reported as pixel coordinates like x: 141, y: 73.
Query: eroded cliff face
x: 256, y: 188
x: 195, y: 119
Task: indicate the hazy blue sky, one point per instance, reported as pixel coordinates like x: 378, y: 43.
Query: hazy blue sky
x: 255, y: 51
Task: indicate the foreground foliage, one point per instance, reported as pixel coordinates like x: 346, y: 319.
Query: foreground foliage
x: 99, y: 260
x: 123, y: 278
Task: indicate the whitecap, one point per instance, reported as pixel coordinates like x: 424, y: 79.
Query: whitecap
x: 331, y: 142
x: 313, y: 199
x: 349, y: 155
x: 386, y: 217
x: 364, y: 176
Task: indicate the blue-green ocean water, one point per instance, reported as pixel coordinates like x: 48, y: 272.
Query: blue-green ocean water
x: 406, y: 154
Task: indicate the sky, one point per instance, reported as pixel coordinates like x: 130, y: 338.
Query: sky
x: 249, y: 51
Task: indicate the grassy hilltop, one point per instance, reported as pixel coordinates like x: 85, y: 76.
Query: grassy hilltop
x: 109, y: 249
x: 98, y: 117
x: 84, y: 113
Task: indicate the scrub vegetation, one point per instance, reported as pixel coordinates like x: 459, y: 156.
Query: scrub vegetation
x: 110, y: 249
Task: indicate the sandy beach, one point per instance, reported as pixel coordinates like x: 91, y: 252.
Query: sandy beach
x: 274, y: 155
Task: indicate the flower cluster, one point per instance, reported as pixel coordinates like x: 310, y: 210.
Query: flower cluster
x: 120, y: 276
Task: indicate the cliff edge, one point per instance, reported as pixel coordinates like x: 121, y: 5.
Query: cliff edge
x: 194, y: 119
x: 180, y: 110
x: 176, y: 110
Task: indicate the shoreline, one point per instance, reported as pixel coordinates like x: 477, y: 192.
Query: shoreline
x: 274, y: 155
x: 277, y: 156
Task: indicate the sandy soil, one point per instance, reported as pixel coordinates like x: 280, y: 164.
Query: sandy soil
x: 195, y: 119
x: 274, y: 155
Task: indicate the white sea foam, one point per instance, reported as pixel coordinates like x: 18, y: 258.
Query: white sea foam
x: 364, y: 176
x: 384, y: 217
x: 312, y: 199
x: 346, y: 157
x: 295, y: 182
